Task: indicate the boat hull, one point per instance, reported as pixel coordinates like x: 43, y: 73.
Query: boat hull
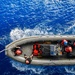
x: 27, y: 47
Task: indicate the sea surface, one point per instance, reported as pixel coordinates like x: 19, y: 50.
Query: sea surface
x: 23, y: 18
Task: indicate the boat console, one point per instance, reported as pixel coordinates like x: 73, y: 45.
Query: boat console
x: 51, y: 50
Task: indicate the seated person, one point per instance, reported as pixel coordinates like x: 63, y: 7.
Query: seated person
x: 68, y: 50
x: 36, y: 49
x: 64, y: 42
x: 28, y: 59
x: 35, y: 52
x: 17, y: 51
x: 36, y: 46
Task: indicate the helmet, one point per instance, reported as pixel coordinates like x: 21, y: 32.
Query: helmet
x: 18, y: 52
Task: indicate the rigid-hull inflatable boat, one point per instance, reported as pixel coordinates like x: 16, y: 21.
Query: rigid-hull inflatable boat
x: 54, y: 49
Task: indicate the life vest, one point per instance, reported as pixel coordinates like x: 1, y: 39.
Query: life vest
x: 18, y: 52
x: 35, y: 52
x: 36, y: 46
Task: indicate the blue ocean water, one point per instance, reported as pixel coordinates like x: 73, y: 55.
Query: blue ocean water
x: 23, y: 18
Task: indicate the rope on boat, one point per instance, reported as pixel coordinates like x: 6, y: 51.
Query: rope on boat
x: 2, y: 50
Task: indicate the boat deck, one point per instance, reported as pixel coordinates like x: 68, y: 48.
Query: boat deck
x: 28, y: 48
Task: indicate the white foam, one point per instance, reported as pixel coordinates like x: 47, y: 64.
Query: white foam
x: 51, y: 1
x: 47, y: 1
x: 18, y: 33
x: 13, y: 5
x: 71, y: 27
x: 70, y: 70
x: 72, y: 1
x: 23, y: 67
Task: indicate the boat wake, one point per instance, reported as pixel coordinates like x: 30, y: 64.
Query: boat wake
x: 22, y: 67
x: 18, y: 33
x: 70, y: 69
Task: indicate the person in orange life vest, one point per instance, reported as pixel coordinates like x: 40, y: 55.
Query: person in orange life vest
x: 35, y: 52
x: 28, y: 59
x: 36, y: 49
x: 36, y: 46
x: 17, y: 51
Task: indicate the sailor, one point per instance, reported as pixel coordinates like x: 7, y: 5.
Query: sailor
x: 35, y: 52
x: 28, y: 59
x: 68, y: 50
x: 17, y: 51
x: 36, y: 48
x: 64, y: 42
